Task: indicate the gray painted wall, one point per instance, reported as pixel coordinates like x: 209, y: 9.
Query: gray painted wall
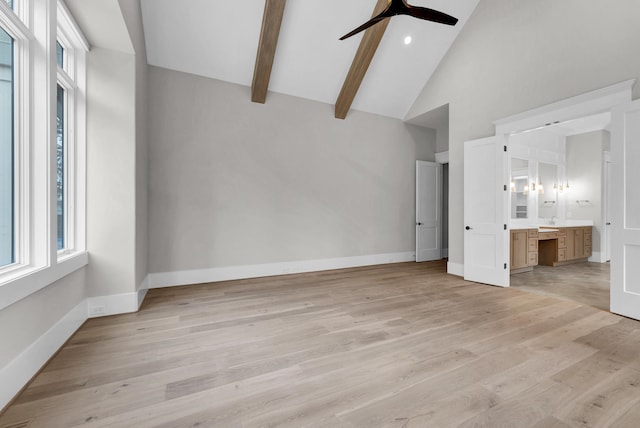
x: 235, y: 183
x: 426, y: 148
x: 514, y: 55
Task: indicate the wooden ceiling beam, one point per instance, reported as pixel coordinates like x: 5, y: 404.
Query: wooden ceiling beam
x: 271, y: 21
x: 361, y: 61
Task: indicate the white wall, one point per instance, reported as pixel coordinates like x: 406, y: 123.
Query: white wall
x: 238, y: 183
x: 584, y: 171
x: 442, y: 137
x: 28, y: 319
x: 425, y: 139
x: 132, y: 15
x: 116, y: 145
x: 110, y: 171
x: 116, y: 204
x: 514, y: 55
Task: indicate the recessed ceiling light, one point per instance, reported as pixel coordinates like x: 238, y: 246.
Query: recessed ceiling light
x: 407, y: 40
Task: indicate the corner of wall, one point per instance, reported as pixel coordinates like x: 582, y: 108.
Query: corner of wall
x: 15, y: 375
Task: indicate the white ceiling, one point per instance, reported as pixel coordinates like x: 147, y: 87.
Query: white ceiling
x: 219, y: 40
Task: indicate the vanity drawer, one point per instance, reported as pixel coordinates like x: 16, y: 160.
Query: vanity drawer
x: 533, y: 244
x: 561, y: 254
x: 562, y: 242
x: 587, y: 239
x: 533, y: 259
x: 587, y: 250
x: 533, y: 233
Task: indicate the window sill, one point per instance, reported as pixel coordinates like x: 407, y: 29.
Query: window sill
x: 21, y: 283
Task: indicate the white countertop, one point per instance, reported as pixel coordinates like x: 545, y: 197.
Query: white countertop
x: 545, y: 224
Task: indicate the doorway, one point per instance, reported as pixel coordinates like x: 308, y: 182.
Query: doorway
x: 625, y: 132
x: 558, y: 181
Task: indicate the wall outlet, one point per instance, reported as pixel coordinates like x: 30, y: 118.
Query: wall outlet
x: 97, y: 310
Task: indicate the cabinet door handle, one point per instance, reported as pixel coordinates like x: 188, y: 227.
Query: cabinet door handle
x: 419, y: 224
x: 467, y: 228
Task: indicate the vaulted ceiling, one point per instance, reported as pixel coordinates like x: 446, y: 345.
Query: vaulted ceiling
x: 220, y: 40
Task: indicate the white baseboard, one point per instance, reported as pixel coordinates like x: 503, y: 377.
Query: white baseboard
x: 142, y: 290
x: 114, y: 304
x: 597, y: 257
x: 15, y: 375
x: 199, y: 276
x: 455, y: 269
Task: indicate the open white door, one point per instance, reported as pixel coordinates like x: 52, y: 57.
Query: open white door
x: 625, y: 212
x: 428, y: 211
x: 486, y: 243
x: 606, y: 220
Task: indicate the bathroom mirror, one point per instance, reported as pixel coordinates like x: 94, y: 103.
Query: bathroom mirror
x: 519, y: 188
x: 547, y: 190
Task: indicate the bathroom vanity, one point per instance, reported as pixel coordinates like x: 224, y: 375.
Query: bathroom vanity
x: 564, y: 245
x: 549, y: 246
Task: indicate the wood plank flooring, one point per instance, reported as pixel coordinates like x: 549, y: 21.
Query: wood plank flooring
x: 401, y: 345
x: 586, y: 283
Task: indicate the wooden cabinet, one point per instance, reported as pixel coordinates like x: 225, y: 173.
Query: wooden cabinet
x: 571, y: 245
x: 524, y: 250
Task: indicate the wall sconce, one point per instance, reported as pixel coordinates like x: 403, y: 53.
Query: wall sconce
x: 561, y: 188
x: 526, y: 189
x: 513, y: 186
x: 540, y: 188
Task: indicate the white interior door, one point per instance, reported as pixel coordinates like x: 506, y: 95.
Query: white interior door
x: 607, y: 211
x: 428, y: 211
x: 625, y: 212
x: 486, y: 243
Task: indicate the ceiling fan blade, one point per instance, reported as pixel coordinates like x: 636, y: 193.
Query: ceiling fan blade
x: 364, y: 26
x: 431, y: 15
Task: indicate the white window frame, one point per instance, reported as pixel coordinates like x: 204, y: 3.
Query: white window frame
x: 22, y: 41
x: 72, y: 78
x: 38, y: 262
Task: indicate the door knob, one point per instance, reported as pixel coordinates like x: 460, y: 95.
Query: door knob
x: 608, y: 223
x: 468, y: 228
x: 419, y: 224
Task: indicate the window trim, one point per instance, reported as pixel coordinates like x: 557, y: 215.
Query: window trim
x: 38, y: 263
x: 23, y: 40
x: 72, y: 77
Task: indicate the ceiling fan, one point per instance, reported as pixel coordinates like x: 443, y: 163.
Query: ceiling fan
x: 401, y: 7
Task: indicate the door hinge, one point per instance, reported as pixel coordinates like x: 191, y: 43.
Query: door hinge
x: 505, y: 227
x: 505, y: 187
x: 505, y: 148
x: 505, y: 265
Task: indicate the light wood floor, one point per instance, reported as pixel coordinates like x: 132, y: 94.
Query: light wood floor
x: 586, y: 283
x: 400, y: 345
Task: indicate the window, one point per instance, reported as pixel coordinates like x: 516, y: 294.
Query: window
x: 7, y: 211
x: 42, y: 215
x: 69, y: 145
x: 60, y: 167
x: 59, y: 55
